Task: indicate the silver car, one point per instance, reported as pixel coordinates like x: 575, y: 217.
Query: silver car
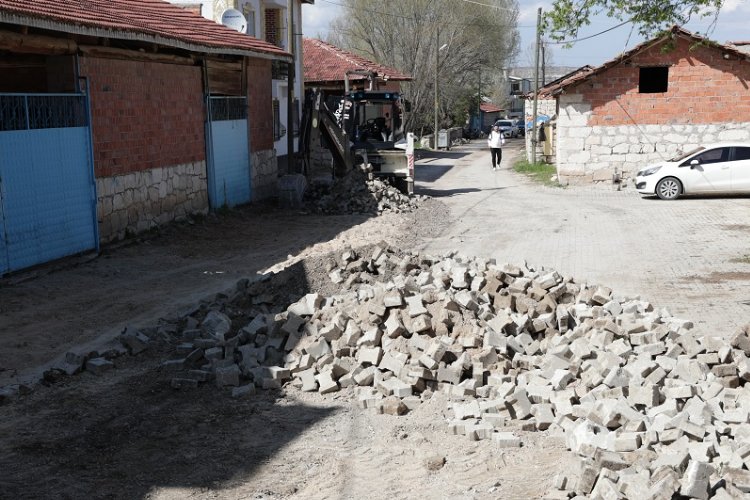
x: 507, y: 127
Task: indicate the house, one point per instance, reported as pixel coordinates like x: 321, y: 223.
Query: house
x: 268, y: 20
x: 665, y: 95
x: 488, y: 114
x: 325, y: 68
x: 115, y: 119
x: 517, y: 88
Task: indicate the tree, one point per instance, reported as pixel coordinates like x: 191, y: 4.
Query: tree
x: 405, y: 34
x: 566, y: 17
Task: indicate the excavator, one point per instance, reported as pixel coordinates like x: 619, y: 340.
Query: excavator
x: 362, y: 126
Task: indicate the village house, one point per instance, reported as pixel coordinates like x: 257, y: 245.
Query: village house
x: 671, y: 93
x: 116, y: 119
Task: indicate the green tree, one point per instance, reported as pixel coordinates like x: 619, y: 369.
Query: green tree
x: 404, y: 34
x: 650, y: 17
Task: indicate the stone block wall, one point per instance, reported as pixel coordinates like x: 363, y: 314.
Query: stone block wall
x: 606, y: 125
x: 138, y: 201
x: 264, y: 175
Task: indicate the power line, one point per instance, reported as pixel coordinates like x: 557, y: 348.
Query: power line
x: 564, y: 42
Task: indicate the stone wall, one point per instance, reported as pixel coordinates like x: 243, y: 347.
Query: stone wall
x: 264, y: 174
x: 138, y: 201
x: 588, y: 153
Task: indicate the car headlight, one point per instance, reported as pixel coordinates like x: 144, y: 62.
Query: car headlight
x: 649, y: 171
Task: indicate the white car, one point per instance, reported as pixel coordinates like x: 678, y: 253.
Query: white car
x: 709, y: 169
x: 507, y: 127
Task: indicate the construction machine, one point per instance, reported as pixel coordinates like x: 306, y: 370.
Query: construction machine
x: 363, y: 126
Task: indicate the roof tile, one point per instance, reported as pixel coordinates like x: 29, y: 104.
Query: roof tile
x: 125, y: 18
x: 324, y: 62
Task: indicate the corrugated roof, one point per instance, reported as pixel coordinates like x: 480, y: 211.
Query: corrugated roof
x: 325, y: 63
x: 152, y: 21
x: 584, y: 73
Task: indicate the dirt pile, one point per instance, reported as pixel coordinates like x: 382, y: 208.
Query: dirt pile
x: 358, y: 193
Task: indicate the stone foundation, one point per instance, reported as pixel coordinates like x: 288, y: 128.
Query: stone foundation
x: 136, y: 202
x: 264, y: 175
x: 587, y: 154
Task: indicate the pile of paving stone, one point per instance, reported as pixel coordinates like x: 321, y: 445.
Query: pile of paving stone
x: 651, y: 409
x: 358, y: 192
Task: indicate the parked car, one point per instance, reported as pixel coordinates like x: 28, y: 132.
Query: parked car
x: 713, y: 168
x: 507, y: 127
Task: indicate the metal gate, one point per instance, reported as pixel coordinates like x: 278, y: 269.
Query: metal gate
x: 228, y: 152
x: 47, y: 190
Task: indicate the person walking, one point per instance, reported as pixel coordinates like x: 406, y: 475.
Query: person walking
x: 495, y: 141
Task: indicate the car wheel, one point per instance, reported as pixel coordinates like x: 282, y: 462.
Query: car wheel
x: 668, y: 188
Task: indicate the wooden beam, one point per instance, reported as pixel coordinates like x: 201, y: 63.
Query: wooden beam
x: 134, y: 55
x: 36, y: 44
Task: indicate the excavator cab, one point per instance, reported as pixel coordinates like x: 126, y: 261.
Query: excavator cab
x: 376, y: 120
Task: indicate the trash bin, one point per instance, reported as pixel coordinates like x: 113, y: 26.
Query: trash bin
x: 442, y: 141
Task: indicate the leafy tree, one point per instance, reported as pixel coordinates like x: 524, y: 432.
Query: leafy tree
x: 566, y: 17
x: 405, y: 34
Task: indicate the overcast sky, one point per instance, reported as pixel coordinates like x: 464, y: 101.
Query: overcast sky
x: 733, y: 22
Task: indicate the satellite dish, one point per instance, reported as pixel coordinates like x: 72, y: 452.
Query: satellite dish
x: 233, y: 19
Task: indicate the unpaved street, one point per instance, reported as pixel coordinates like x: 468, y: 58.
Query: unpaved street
x: 128, y: 434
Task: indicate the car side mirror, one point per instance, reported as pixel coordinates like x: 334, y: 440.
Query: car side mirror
x: 694, y: 163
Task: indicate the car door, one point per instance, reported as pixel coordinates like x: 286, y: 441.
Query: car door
x: 740, y: 168
x: 712, y: 173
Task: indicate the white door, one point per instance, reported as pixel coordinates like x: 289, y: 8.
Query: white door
x: 740, y: 167
x: 712, y: 174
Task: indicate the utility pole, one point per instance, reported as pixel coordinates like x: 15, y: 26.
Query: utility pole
x: 437, y: 62
x: 291, y: 166
x: 536, y: 85
x: 544, y: 64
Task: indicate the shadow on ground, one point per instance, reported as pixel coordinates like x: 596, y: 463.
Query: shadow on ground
x: 127, y: 433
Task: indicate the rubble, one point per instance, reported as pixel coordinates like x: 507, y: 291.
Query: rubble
x: 649, y: 408
x: 358, y: 193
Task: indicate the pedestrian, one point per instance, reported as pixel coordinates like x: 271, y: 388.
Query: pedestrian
x: 495, y: 141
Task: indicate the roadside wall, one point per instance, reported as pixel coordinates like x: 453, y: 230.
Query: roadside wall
x: 605, y: 125
x: 149, y: 144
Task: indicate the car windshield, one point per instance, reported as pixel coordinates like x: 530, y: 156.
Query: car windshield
x: 682, y: 156
x: 504, y: 124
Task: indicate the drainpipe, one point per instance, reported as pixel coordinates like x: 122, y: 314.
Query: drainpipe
x: 291, y: 166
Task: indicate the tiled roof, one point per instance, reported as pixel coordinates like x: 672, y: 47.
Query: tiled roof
x: 153, y: 21
x: 488, y: 107
x: 584, y: 73
x: 324, y: 62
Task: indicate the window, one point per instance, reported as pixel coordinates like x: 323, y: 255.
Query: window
x: 653, y: 80
x: 249, y: 14
x: 741, y: 154
x: 711, y: 156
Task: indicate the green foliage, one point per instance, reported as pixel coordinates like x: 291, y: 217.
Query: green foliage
x: 543, y: 173
x: 650, y: 17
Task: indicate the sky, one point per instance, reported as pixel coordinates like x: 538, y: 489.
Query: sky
x: 732, y: 26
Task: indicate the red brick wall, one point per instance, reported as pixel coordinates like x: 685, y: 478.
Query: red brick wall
x: 703, y: 87
x: 272, y: 26
x: 144, y: 115
x: 260, y: 114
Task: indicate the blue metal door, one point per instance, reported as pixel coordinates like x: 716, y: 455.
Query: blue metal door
x: 228, y: 152
x: 47, y: 191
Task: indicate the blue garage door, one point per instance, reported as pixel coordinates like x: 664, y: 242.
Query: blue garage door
x: 47, y: 191
x: 228, y: 152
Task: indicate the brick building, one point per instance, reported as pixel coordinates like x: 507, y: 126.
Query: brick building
x: 115, y: 119
x: 668, y: 94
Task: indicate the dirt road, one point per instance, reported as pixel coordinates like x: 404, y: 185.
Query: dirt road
x: 128, y: 435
